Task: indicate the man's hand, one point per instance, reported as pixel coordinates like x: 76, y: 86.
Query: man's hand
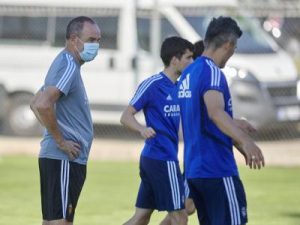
x: 71, y: 148
x: 147, y: 132
x: 252, y: 153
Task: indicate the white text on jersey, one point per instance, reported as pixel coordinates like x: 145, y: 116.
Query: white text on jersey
x: 172, y: 110
x: 184, y: 88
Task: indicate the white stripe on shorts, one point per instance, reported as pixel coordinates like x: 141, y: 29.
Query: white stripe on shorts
x: 64, y: 185
x: 186, y: 188
x: 232, y: 200
x: 174, y: 184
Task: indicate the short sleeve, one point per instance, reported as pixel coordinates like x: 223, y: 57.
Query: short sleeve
x: 61, y: 73
x: 141, y: 96
x: 213, y: 78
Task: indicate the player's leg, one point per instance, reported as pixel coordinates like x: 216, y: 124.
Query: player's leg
x: 50, y: 185
x: 189, y: 206
x: 189, y: 203
x: 170, y: 193
x: 196, y: 193
x: 145, y: 203
x: 178, y: 217
x: 77, y: 175
x: 223, y: 201
x: 140, y: 217
x: 57, y: 222
x: 236, y: 210
x: 189, y: 211
x: 166, y: 220
x: 61, y: 184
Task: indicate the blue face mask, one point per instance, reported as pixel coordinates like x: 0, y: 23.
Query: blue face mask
x: 89, y: 52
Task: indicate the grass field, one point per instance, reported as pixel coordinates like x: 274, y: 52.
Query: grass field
x: 109, y: 194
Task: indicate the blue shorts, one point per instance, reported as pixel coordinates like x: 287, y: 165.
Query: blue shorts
x: 161, y: 185
x: 219, y: 201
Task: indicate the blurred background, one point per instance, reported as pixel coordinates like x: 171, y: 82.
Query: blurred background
x: 263, y: 75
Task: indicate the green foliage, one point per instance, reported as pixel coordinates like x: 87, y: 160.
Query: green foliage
x: 110, y: 191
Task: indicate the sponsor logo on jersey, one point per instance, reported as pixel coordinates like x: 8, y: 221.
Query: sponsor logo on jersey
x: 169, y: 98
x: 184, y: 88
x: 172, y: 110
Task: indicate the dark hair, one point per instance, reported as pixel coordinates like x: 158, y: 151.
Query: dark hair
x: 75, y: 26
x: 221, y: 30
x: 174, y: 46
x: 198, y: 49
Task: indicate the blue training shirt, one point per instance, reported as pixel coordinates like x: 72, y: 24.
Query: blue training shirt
x: 207, y: 150
x: 157, y: 97
x: 72, y: 109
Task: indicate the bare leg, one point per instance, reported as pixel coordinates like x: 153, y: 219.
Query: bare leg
x: 140, y: 217
x: 178, y: 217
x: 166, y: 220
x: 57, y: 222
x: 175, y: 218
x: 189, y: 206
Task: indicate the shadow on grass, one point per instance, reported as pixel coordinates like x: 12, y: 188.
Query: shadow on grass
x: 295, y: 215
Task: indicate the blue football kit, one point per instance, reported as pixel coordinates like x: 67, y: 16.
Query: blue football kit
x: 162, y: 184
x: 208, y: 153
x: 157, y: 96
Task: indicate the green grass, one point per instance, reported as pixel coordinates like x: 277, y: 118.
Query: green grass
x: 110, y: 191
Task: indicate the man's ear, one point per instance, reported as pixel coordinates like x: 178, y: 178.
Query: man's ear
x: 227, y: 45
x: 174, y: 60
x: 73, y: 38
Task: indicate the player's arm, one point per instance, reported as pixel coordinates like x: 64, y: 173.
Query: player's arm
x: 214, y: 102
x: 43, y: 107
x: 33, y: 108
x: 128, y: 119
x: 180, y: 130
x: 244, y: 125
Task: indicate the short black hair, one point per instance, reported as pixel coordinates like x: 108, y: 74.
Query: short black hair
x: 174, y: 46
x: 198, y: 49
x: 221, y: 30
x: 75, y: 26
